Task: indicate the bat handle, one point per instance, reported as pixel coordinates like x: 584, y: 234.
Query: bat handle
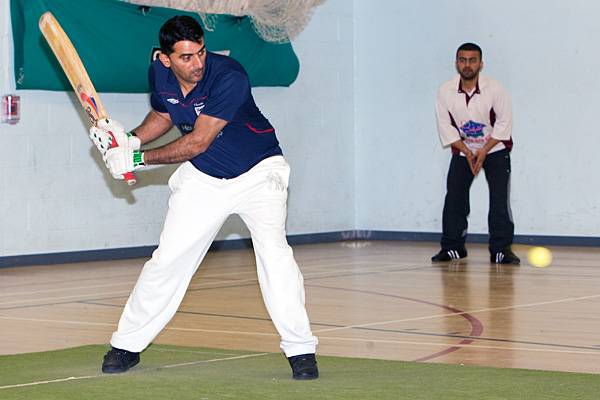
x: 130, y: 178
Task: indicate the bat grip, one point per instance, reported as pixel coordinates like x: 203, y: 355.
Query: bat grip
x: 130, y: 178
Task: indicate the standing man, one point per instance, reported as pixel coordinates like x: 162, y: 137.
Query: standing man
x: 232, y: 164
x: 474, y: 117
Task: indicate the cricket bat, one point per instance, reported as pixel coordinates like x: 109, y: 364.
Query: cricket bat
x: 78, y: 77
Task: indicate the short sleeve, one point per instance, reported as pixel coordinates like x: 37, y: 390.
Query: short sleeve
x: 229, y: 93
x: 447, y: 132
x: 503, y: 109
x: 155, y: 100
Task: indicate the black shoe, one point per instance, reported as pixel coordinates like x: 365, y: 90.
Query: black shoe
x: 117, y: 361
x: 449, y: 255
x: 304, y: 366
x: 505, y: 256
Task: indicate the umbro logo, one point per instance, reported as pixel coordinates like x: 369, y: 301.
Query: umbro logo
x: 173, y: 101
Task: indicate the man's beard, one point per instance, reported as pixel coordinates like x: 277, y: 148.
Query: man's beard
x: 468, y: 74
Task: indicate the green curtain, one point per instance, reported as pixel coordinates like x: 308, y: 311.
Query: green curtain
x: 116, y: 41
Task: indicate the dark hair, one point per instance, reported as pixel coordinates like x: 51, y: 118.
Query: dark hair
x: 180, y: 27
x: 470, y: 47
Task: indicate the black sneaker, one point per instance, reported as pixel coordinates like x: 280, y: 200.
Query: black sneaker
x: 505, y: 256
x: 449, y: 255
x: 117, y: 361
x: 304, y: 366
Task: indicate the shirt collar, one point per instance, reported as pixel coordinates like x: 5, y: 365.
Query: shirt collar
x: 482, y: 84
x: 171, y: 79
x: 477, y: 89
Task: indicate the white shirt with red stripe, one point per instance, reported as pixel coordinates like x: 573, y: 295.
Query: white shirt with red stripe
x: 474, y: 117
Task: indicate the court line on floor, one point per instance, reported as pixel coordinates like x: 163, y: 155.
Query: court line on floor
x: 517, y: 306
x: 114, y: 325
x: 345, y: 327
x: 203, y: 285
x: 135, y: 276
x: 388, y: 341
x: 412, y: 332
x: 75, y: 378
x: 476, y: 325
x: 391, y: 331
x: 54, y: 281
x: 339, y: 338
x: 71, y: 378
x: 376, y: 270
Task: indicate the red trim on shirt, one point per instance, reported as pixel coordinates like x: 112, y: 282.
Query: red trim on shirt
x: 253, y: 129
x: 507, y: 143
x: 454, y: 149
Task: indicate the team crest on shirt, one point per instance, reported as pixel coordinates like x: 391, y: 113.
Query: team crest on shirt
x: 472, y: 129
x: 198, y: 108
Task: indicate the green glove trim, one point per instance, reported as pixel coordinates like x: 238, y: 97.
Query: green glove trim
x: 138, y: 158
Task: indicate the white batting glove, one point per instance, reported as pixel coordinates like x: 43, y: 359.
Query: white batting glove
x: 110, y: 133
x: 122, y: 159
x: 118, y: 131
x: 101, y: 139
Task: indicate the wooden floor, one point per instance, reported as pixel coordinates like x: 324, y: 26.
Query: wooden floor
x: 365, y: 299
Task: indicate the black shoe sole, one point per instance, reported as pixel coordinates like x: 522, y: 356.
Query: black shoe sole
x: 306, y: 377
x: 115, y: 370
x: 452, y: 260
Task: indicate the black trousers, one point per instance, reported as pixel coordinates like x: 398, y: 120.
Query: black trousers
x: 457, y: 207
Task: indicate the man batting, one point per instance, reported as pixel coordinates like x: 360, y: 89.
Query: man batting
x: 232, y: 164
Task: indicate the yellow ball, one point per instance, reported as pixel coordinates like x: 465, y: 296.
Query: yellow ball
x: 539, y: 257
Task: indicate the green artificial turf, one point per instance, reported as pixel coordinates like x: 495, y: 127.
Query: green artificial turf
x: 217, y: 374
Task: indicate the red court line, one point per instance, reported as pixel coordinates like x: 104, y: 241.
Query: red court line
x: 476, y: 325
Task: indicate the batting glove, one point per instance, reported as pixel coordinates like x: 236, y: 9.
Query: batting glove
x: 100, y: 138
x: 110, y: 133
x: 123, y: 159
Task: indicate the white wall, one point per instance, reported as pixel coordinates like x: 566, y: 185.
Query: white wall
x: 315, y: 122
x: 55, y: 194
x: 543, y: 52
x: 357, y: 127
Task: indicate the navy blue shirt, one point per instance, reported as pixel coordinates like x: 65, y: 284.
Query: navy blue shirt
x: 223, y: 92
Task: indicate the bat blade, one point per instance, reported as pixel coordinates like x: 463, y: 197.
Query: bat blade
x: 71, y: 63
x: 73, y: 67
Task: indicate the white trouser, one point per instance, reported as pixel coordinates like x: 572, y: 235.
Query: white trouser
x: 198, y: 207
